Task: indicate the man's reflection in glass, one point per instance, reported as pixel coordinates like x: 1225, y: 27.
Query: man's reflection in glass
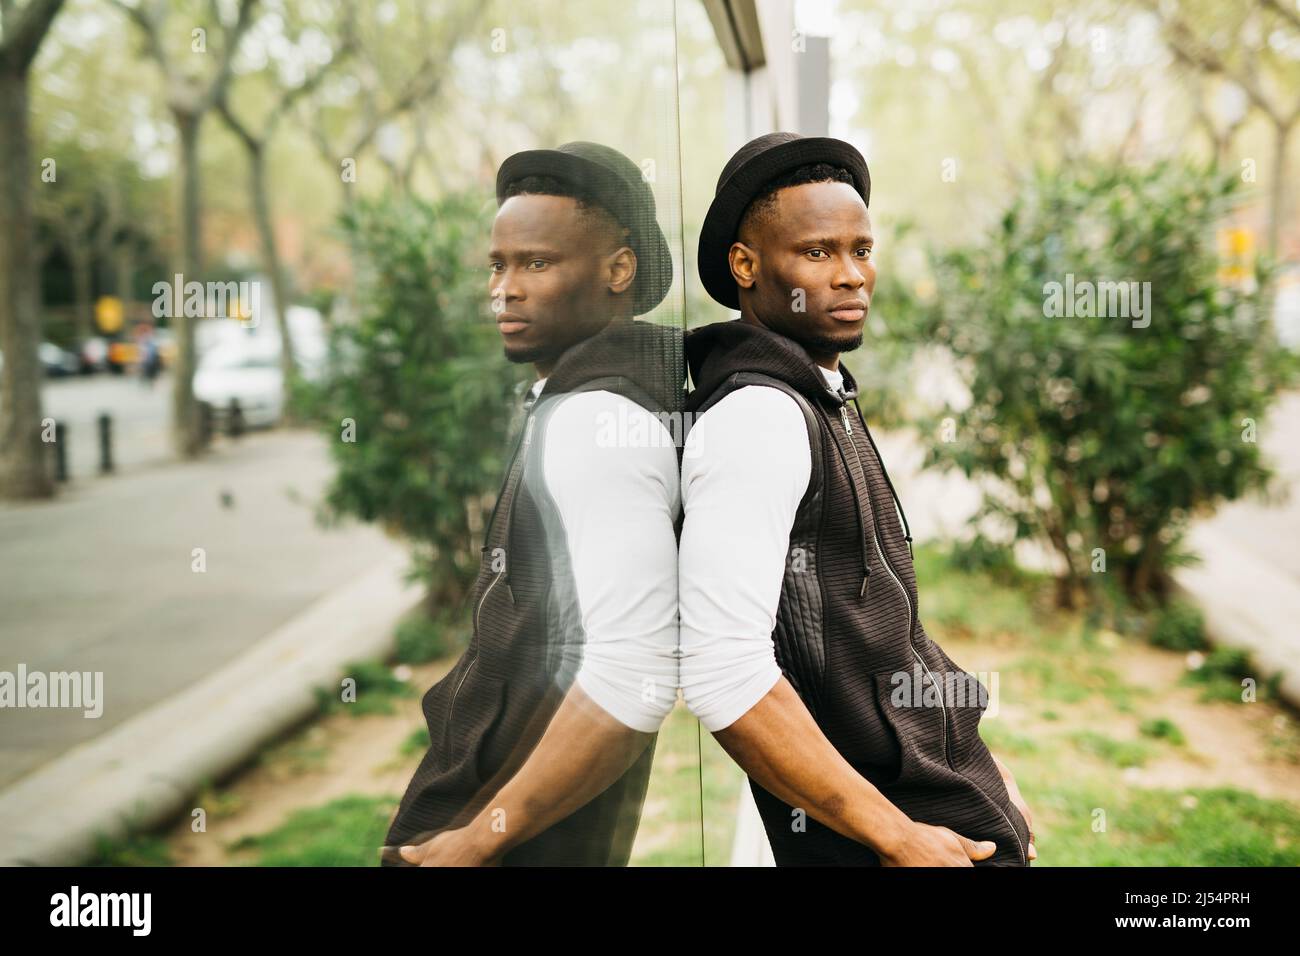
x: 543, y: 733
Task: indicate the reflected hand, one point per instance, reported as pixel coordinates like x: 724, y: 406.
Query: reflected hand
x: 449, y: 848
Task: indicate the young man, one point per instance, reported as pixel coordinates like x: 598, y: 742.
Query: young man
x: 802, y: 651
x: 543, y: 733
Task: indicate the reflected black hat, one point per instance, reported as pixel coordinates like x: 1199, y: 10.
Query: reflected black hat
x: 756, y: 164
x: 616, y: 184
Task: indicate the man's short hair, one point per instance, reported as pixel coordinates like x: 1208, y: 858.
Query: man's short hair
x: 589, y: 207
x: 763, y: 206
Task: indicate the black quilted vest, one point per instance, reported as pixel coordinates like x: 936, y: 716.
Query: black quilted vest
x: 487, y: 714
x: 847, y: 634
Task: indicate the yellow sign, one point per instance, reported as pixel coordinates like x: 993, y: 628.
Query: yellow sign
x: 108, y: 314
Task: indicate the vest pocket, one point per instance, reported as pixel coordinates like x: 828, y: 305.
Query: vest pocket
x: 914, y: 727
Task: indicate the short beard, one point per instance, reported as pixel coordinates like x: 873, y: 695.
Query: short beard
x: 538, y: 353
x: 816, y: 344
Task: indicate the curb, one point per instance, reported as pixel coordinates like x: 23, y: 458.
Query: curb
x: 141, y: 773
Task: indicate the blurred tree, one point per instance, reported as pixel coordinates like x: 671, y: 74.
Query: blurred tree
x: 302, y: 63
x: 419, y: 403
x: 191, y: 92
x: 391, y: 75
x: 1100, y: 432
x: 73, y: 210
x: 1244, y: 43
x: 23, y: 472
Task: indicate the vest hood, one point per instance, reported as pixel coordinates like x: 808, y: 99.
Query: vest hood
x: 648, y: 355
x: 715, y: 352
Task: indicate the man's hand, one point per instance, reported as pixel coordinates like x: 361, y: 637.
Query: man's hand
x: 1019, y: 802
x: 450, y: 848
x: 926, y: 845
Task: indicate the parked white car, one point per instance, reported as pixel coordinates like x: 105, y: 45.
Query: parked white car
x: 245, y: 367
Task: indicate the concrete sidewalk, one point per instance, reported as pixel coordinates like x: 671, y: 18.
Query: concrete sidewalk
x: 143, y: 772
x: 104, y: 578
x: 200, y: 670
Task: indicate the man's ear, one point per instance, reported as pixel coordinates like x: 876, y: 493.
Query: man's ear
x: 744, y: 264
x: 621, y: 269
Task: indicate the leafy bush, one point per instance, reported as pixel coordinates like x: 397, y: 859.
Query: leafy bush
x: 1180, y: 627
x: 421, y: 638
x: 420, y: 381
x: 1103, y: 433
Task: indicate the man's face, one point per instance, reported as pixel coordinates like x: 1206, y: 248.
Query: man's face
x: 552, y: 274
x: 819, y: 241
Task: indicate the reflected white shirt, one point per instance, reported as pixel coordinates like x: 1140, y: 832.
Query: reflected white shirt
x: 617, y: 503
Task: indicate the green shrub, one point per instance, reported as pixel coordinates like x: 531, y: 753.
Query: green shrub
x: 1103, y: 435
x: 1180, y: 627
x: 417, y: 403
x: 421, y: 638
x: 375, y: 689
x: 1162, y: 728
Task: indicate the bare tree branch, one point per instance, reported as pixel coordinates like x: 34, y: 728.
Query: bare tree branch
x: 1287, y: 13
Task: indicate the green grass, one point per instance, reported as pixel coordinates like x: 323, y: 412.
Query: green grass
x: 1120, y: 753
x: 1162, y: 728
x: 134, y: 849
x: 416, y: 743
x: 345, y: 832
x: 421, y: 638
x: 375, y: 690
x: 1097, y: 826
x: 669, y: 834
x: 1061, y: 670
x: 1223, y: 673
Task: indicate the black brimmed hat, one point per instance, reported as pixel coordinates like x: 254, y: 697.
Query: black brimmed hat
x: 617, y: 185
x: 755, y: 164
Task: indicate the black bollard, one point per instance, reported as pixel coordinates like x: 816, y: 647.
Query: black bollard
x: 235, y: 424
x: 105, y: 443
x: 60, y: 451
x: 205, y: 423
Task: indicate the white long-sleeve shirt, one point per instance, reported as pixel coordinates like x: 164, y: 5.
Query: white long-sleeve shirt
x: 611, y: 468
x: 745, y: 467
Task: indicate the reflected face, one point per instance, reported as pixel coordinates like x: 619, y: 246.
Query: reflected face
x: 819, y: 241
x: 550, y: 279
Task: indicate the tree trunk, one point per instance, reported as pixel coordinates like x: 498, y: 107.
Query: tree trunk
x: 185, y: 430
x: 272, y: 267
x: 83, y: 266
x: 124, y: 270
x: 23, y: 471
x: 1277, y: 188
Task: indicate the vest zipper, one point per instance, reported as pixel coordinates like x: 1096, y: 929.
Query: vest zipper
x: 943, y: 710
x: 907, y: 598
x: 866, y: 567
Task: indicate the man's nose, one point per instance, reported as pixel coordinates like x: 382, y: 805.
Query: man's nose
x: 849, y: 275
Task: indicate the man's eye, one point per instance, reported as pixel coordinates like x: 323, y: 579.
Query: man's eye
x: 537, y: 263
x: 866, y: 252
x: 820, y: 252
x: 494, y: 267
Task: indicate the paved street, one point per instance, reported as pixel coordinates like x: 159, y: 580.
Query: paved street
x: 100, y: 579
